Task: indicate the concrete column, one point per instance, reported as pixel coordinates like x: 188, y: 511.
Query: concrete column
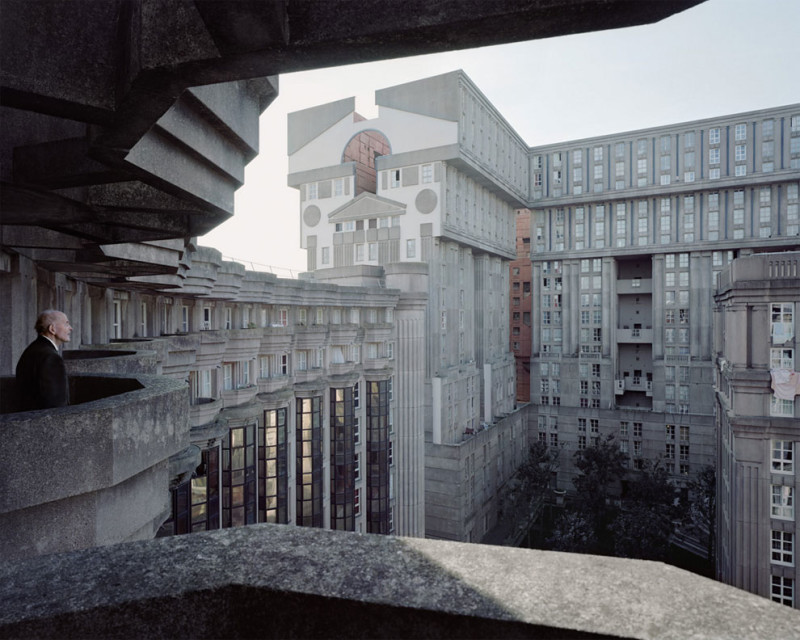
x: 658, y: 307
x: 536, y: 307
x: 609, y: 305
x: 700, y: 302
x: 409, y: 395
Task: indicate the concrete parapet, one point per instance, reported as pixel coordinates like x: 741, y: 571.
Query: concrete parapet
x: 313, y: 583
x: 94, y: 472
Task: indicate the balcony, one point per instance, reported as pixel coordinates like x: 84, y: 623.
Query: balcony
x: 633, y: 383
x: 241, y: 395
x: 204, y: 410
x: 373, y: 364
x: 367, y: 586
x: 636, y: 335
x: 635, y: 286
x: 273, y: 383
x: 93, y: 473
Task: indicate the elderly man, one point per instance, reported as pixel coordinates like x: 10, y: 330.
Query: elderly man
x: 41, y: 375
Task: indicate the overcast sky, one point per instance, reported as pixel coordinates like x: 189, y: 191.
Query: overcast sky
x: 721, y: 57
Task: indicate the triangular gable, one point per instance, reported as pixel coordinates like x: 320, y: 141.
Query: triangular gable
x: 367, y: 205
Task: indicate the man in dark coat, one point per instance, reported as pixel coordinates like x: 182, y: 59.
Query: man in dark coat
x: 41, y: 375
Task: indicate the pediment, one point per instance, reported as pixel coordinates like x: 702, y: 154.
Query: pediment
x: 367, y: 205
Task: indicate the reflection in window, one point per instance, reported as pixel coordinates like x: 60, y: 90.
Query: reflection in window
x: 273, y: 468
x: 239, y: 477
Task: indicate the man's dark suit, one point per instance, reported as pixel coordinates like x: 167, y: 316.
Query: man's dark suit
x: 41, y: 377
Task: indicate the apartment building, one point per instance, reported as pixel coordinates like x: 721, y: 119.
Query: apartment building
x: 758, y: 424
x: 521, y: 306
x: 629, y: 233
x: 421, y: 188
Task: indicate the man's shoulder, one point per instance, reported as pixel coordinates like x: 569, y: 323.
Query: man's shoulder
x: 39, y: 348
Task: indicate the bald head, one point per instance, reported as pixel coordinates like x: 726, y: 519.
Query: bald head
x: 55, y: 325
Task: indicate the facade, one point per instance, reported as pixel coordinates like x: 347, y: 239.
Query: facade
x: 628, y: 235
x: 521, y: 306
x: 758, y: 424
x: 419, y: 188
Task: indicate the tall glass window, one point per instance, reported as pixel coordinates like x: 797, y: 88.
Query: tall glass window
x: 239, y: 476
x: 343, y: 459
x: 308, y: 471
x: 378, y: 457
x: 273, y: 476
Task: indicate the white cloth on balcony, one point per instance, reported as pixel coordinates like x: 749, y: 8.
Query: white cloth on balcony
x: 785, y: 383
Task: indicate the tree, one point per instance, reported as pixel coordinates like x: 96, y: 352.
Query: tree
x: 574, y: 533
x: 701, y: 512
x: 602, y: 467
x: 644, y: 524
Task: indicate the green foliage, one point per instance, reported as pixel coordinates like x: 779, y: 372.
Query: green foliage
x: 602, y: 520
x: 573, y: 532
x: 701, y: 512
x: 644, y: 524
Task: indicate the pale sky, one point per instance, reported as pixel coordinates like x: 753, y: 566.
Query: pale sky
x: 721, y: 57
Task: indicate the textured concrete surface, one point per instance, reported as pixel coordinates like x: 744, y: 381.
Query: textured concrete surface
x: 279, y: 581
x: 94, y: 472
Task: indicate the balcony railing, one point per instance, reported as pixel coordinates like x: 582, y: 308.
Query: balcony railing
x: 639, y: 335
x: 80, y: 468
x: 367, y: 586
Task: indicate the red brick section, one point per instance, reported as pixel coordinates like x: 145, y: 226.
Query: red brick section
x: 521, y: 304
x: 363, y: 149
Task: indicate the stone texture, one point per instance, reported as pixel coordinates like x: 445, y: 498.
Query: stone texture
x: 277, y: 581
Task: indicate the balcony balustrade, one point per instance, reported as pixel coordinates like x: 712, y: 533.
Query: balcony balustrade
x: 93, y: 473
x: 635, y: 286
x: 636, y: 335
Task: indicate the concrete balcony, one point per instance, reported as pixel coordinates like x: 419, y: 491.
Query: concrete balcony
x: 637, y: 335
x: 239, y: 396
x: 204, y: 410
x: 633, y: 383
x: 242, y: 343
x: 274, y: 383
x: 341, y: 368
x: 211, y: 349
x: 311, y: 583
x: 93, y: 473
x: 372, y: 364
x: 308, y: 375
x: 635, y: 286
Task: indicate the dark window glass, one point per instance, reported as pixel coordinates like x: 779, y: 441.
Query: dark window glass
x: 308, y: 471
x: 239, y: 477
x: 343, y: 463
x: 273, y: 468
x: 377, y: 467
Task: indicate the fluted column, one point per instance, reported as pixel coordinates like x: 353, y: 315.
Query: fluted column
x: 409, y: 396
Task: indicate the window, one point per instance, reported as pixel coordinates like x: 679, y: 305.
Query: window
x: 783, y: 588
x: 782, y: 322
x: 427, y: 173
x: 411, y: 248
x: 781, y: 358
x: 338, y: 187
x: 713, y: 136
x: 394, y: 178
x: 740, y: 132
x: 783, y: 547
x: 283, y: 317
x: 782, y: 502
x: 782, y: 456
x: 713, y: 155
x: 778, y: 407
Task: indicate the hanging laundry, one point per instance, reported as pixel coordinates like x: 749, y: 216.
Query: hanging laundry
x: 785, y: 383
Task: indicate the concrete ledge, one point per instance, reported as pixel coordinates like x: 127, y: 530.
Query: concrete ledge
x: 273, y: 581
x: 90, y: 473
